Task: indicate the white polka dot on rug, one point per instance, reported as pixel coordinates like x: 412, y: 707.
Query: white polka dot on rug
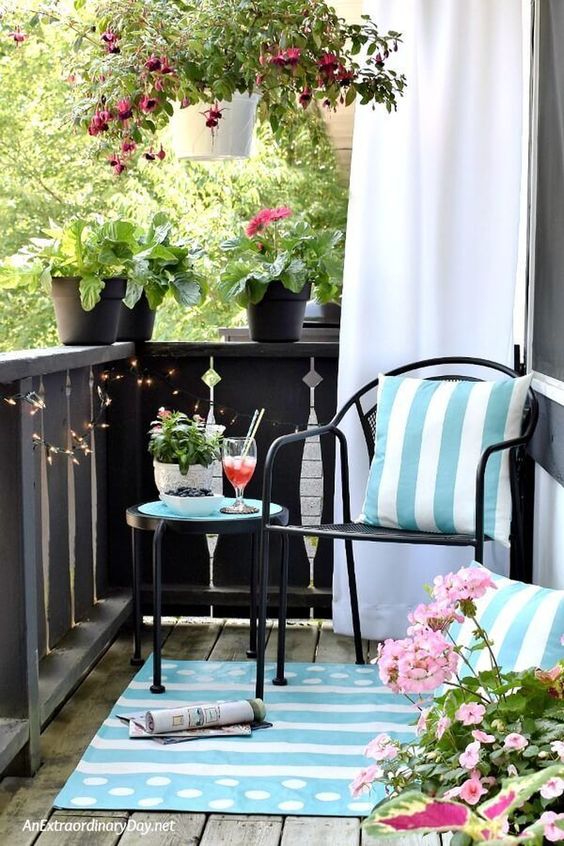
x: 327, y: 796
x: 236, y: 673
x: 157, y: 781
x: 315, y: 669
x: 221, y: 804
x: 168, y: 666
x: 257, y: 794
x: 312, y: 681
x: 290, y: 675
x: 291, y: 806
x: 121, y: 791
x: 150, y: 802
x: 95, y: 780
x: 227, y: 782
x: 189, y: 793
x: 185, y: 672
x: 206, y: 678
x: 365, y: 670
x: 361, y: 807
x: 363, y: 682
x: 339, y: 675
x: 83, y: 801
x: 294, y: 783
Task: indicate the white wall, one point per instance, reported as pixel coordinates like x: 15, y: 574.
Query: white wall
x: 548, y: 531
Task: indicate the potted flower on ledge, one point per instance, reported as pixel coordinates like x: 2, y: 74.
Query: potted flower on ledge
x: 273, y: 267
x: 184, y: 450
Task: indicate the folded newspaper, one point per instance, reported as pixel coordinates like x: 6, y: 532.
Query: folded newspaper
x: 193, y: 722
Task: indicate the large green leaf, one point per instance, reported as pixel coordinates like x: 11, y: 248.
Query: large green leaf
x: 90, y: 289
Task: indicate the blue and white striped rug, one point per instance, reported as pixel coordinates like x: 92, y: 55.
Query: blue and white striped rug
x: 321, y: 721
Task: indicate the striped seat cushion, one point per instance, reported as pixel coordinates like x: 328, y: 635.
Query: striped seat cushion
x: 525, y: 622
x: 429, y: 438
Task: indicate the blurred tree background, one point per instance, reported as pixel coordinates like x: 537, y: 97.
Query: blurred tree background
x: 49, y: 172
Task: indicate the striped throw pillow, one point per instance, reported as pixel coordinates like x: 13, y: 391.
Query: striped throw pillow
x: 429, y: 438
x: 525, y: 622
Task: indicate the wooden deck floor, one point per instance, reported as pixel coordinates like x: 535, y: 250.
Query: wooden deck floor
x: 24, y: 802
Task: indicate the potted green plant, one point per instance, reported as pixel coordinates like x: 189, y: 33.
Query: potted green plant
x: 138, y: 62
x: 156, y: 269
x: 273, y: 267
x: 184, y: 450
x: 83, y: 264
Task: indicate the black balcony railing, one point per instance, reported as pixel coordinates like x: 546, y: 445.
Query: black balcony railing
x: 64, y: 545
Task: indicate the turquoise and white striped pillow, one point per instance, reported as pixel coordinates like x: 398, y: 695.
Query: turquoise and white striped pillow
x: 525, y: 623
x: 429, y: 438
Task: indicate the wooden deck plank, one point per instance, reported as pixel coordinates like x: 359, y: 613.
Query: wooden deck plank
x: 334, y: 648
x: 67, y: 829
x: 236, y: 830
x: 321, y: 831
x: 150, y: 829
x: 301, y: 642
x: 191, y: 641
x: 234, y: 642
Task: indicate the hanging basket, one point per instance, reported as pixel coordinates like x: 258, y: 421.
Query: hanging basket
x: 231, y: 139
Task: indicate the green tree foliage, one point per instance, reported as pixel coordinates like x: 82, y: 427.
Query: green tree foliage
x: 49, y: 173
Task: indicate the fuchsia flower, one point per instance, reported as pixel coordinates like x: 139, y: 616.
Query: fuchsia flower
x: 552, y: 832
x: 185, y: 102
x: 213, y: 115
x: 117, y: 164
x: 161, y: 154
x: 99, y: 122
x: 382, y: 748
x: 165, y: 67
x: 471, y: 755
x: 110, y: 41
x: 148, y: 104
x: 363, y: 781
x: 286, y: 58
x: 305, y: 98
x: 153, y: 63
x: 124, y: 109
x: 470, y: 713
x: 515, y: 741
x: 264, y: 218
x: 328, y: 64
x: 128, y: 145
x: 482, y: 737
x: 345, y: 77
x: 17, y: 35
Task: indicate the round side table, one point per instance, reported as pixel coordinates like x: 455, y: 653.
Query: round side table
x: 157, y: 518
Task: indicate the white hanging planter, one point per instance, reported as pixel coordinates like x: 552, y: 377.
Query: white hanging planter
x: 231, y: 139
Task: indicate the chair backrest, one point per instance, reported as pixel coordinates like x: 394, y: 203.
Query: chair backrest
x: 366, y: 406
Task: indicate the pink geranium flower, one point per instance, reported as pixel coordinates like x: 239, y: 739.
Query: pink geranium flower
x: 515, y: 741
x: 482, y: 737
x: 552, y: 832
x: 265, y: 217
x: 472, y: 790
x: 471, y: 755
x: 382, y: 748
x: 469, y: 583
x: 470, y: 713
x: 553, y: 788
x: 436, y: 615
x: 422, y: 721
x: 443, y: 723
x: 364, y: 780
x: 416, y: 665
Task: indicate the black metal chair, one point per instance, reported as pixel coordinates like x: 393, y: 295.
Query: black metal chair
x: 364, y: 402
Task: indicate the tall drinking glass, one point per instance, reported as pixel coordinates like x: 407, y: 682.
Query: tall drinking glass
x: 239, y: 460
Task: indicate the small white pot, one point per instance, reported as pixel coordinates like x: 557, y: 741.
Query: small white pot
x: 231, y: 139
x: 168, y: 476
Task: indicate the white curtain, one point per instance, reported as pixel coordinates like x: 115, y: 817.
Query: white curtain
x: 432, y: 242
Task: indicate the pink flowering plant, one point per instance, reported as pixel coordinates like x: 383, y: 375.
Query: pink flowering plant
x: 488, y: 759
x: 277, y: 246
x: 137, y: 61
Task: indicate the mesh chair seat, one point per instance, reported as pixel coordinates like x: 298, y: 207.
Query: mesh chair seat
x: 364, y: 532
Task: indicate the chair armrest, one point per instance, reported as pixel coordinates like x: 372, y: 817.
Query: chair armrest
x: 294, y: 437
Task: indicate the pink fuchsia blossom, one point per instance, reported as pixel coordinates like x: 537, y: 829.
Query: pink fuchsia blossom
x: 482, y: 737
x: 552, y: 832
x: 165, y: 67
x: 328, y: 64
x: 557, y: 746
x: 422, y: 721
x: 17, y: 35
x: 472, y: 790
x: 265, y: 217
x: 437, y: 616
x: 553, y: 788
x: 148, y: 104
x: 124, y: 109
x: 117, y: 164
x: 515, y: 741
x: 469, y: 583
x: 99, y: 122
x: 110, y: 41
x: 470, y: 713
x: 161, y: 154
x: 471, y: 755
x: 382, y: 748
x: 364, y: 780
x: 305, y: 98
x: 128, y: 145
x: 443, y: 723
x: 153, y: 63
x: 416, y: 665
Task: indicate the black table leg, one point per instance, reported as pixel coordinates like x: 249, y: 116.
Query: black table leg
x: 157, y: 686
x: 263, y: 599
x: 252, y: 650
x: 136, y: 659
x: 280, y: 679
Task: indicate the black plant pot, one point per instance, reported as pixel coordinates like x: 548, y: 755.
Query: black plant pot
x: 280, y: 314
x: 137, y: 323
x: 79, y: 327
